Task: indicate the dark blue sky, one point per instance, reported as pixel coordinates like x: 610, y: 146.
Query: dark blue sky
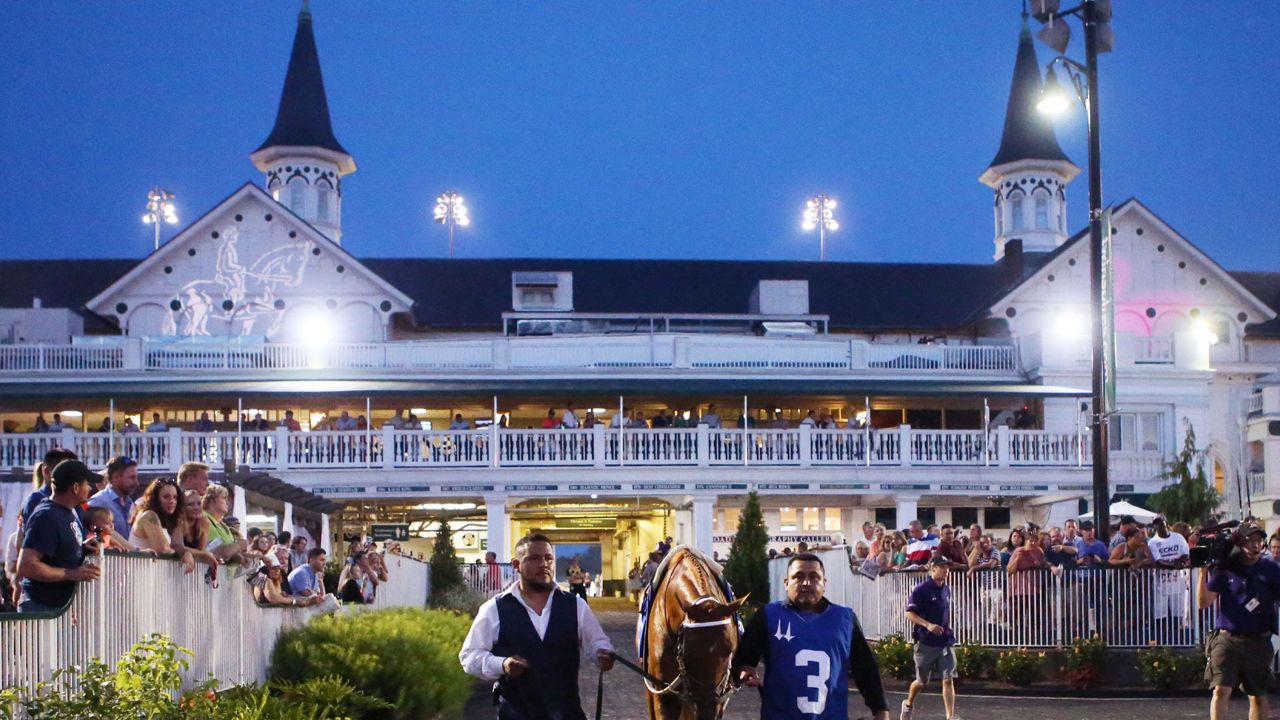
x: 681, y: 130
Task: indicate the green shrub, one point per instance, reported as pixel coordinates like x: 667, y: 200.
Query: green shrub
x: 462, y: 600
x: 146, y: 682
x: 1166, y: 669
x: 974, y: 660
x: 1082, y: 662
x: 1019, y: 667
x: 406, y: 657
x: 896, y: 656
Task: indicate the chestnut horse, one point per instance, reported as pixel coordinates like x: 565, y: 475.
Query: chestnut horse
x: 690, y: 636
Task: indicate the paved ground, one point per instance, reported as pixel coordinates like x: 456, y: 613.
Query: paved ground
x: 624, y: 697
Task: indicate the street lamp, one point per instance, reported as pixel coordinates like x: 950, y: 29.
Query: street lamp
x: 1098, y: 37
x: 818, y: 213
x: 450, y: 211
x: 159, y: 209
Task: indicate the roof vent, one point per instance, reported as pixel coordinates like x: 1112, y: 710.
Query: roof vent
x: 780, y: 297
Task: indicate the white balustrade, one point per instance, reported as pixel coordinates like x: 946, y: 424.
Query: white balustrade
x: 137, y: 596
x: 1255, y: 403
x: 651, y: 351
x: 387, y: 448
x: 1153, y: 350
x: 1257, y: 484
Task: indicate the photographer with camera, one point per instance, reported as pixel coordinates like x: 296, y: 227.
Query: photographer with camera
x: 1239, y: 649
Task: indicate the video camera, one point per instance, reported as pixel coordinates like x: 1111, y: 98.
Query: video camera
x: 1215, y: 544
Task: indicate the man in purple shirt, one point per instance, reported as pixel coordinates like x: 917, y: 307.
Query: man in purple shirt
x: 1247, y: 592
x: 929, y: 611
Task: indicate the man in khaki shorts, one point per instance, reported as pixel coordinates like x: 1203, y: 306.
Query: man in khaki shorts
x: 1247, y: 590
x: 929, y: 610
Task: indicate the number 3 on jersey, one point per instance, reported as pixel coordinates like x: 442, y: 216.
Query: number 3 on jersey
x: 816, y: 680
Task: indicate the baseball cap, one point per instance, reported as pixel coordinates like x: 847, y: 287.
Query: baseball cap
x: 70, y: 472
x: 1248, y: 528
x: 938, y: 560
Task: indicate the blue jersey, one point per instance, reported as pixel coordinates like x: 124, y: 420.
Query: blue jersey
x: 807, y: 664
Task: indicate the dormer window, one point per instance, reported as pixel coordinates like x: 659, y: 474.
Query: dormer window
x: 542, y: 291
x: 1015, y: 209
x: 1042, y: 213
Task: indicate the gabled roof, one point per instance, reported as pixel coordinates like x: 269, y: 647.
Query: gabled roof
x: 303, y: 117
x: 1266, y: 287
x: 1262, y: 304
x: 152, y: 262
x: 1028, y: 133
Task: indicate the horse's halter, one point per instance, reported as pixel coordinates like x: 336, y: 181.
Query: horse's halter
x: 723, y: 689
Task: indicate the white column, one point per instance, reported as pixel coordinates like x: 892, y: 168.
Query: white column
x: 703, y: 514
x: 325, y: 541
x: 907, y: 509
x: 239, y: 505
x: 496, y: 520
x: 287, y: 524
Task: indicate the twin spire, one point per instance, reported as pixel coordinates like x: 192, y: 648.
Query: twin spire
x: 302, y: 119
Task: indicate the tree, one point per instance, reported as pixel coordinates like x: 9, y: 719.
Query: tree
x: 1189, y: 497
x: 446, y: 575
x: 747, y: 568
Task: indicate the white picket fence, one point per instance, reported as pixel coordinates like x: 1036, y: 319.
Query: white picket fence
x: 231, y: 636
x: 1033, y: 609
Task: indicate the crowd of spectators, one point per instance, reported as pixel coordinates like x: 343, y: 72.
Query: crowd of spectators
x: 75, y: 514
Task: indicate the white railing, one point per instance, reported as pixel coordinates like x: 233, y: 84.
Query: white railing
x: 137, y: 596
x: 387, y: 448
x: 1153, y: 350
x: 488, y: 580
x: 1257, y: 484
x: 1037, y: 609
x: 1255, y: 403
x: 644, y: 351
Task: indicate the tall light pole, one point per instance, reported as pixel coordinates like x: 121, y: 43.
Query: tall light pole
x: 450, y: 211
x: 1098, y: 37
x: 159, y: 210
x: 819, y: 213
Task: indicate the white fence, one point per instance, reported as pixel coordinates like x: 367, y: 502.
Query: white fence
x: 1036, y: 608
x: 488, y: 580
x: 231, y: 636
x: 388, y: 448
x: 504, y: 353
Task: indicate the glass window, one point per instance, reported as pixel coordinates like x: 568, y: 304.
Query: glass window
x: 1015, y: 208
x: 887, y: 517
x: 1062, y: 222
x: 322, y: 204
x: 730, y: 520
x: 995, y: 518
x: 963, y: 517
x: 297, y: 203
x: 999, y: 220
x: 537, y: 298
x: 787, y: 520
x: 1150, y: 423
x: 1042, y: 213
x: 831, y: 520
x: 1135, y: 432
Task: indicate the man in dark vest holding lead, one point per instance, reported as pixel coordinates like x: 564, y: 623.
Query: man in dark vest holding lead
x: 530, y: 638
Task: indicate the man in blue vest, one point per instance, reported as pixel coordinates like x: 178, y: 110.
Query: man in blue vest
x: 810, y: 647
x: 530, y: 638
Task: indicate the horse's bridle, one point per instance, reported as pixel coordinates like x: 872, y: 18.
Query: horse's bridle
x: 723, y: 689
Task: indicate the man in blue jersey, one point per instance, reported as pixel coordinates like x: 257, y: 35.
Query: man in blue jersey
x: 929, y: 612
x: 810, y: 647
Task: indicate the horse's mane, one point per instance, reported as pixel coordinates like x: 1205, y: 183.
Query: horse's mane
x: 697, y: 568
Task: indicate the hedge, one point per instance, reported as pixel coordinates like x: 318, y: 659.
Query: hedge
x: 406, y: 657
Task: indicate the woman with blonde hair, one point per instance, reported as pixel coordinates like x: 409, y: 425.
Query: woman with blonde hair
x: 193, y: 533
x: 223, y: 542
x: 897, y: 552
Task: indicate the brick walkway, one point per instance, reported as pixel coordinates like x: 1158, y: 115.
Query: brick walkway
x: 624, y: 694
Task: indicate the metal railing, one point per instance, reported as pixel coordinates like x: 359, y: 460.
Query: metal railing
x: 657, y: 351
x: 1035, y: 608
x: 1255, y: 403
x: 388, y: 448
x: 1257, y: 483
x: 231, y: 636
x: 488, y: 580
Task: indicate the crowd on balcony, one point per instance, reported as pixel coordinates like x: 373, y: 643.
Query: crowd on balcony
x: 75, y: 514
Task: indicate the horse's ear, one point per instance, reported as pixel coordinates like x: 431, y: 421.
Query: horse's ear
x: 712, y: 610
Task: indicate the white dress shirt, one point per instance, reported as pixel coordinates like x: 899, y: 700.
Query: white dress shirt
x: 477, y: 656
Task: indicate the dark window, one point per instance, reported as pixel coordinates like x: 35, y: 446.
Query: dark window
x: 995, y: 518
x: 926, y: 516
x: 886, y: 419
x: 963, y: 517
x: 964, y: 420
x: 887, y: 517
x: 925, y: 419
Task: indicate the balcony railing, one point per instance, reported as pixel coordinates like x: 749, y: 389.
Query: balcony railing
x: 1153, y: 350
x: 1257, y: 484
x: 1256, y: 403
x: 723, y: 352
x: 388, y: 448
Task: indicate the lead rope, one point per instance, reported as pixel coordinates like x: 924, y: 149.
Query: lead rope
x: 600, y: 694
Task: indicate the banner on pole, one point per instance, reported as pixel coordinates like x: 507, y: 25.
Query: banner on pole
x: 1108, y: 319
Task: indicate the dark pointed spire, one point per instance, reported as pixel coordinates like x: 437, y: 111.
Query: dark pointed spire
x: 1028, y: 133
x: 303, y: 117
